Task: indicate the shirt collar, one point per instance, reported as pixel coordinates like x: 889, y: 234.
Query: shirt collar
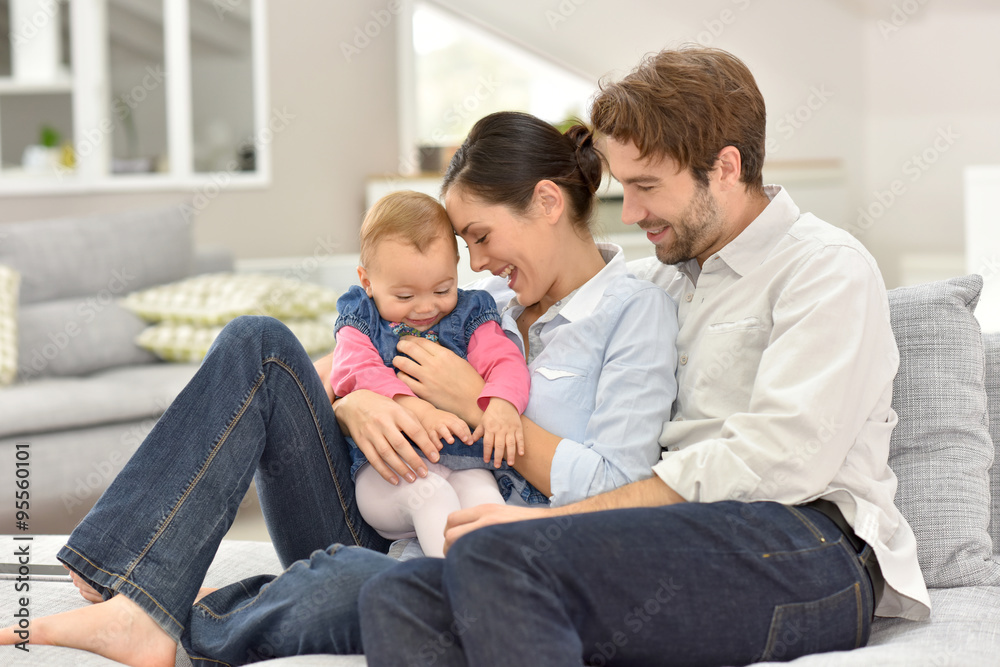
x: 589, y: 294
x: 582, y: 301
x: 748, y: 250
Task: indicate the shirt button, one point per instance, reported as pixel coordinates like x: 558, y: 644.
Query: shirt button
x: 689, y: 297
x: 684, y: 359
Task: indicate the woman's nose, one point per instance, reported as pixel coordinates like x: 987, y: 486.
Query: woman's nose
x: 477, y: 258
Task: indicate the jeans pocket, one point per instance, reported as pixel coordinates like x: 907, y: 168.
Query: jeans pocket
x: 833, y: 623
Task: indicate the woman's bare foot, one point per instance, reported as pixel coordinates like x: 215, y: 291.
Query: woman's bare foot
x: 86, y: 590
x: 202, y: 592
x: 117, y: 629
x: 91, y: 595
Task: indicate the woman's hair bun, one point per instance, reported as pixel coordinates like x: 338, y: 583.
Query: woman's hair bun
x: 588, y: 158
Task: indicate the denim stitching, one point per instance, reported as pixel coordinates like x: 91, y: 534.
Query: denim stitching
x: 218, y: 662
x: 256, y: 598
x: 127, y: 581
x: 854, y: 558
x: 809, y: 524
x: 198, y: 476
x: 322, y: 437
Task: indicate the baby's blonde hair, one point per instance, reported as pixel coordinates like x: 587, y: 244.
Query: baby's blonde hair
x: 411, y: 217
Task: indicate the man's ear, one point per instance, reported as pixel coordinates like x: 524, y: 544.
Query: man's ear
x: 366, y: 284
x: 730, y: 165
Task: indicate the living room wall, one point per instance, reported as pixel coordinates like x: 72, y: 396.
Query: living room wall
x: 839, y: 85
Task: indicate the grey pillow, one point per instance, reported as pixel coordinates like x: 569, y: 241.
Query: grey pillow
x: 77, y: 337
x: 941, y: 449
x: 107, y: 254
x: 992, y: 343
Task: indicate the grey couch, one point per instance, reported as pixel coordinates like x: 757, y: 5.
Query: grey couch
x: 86, y: 395
x: 942, y: 452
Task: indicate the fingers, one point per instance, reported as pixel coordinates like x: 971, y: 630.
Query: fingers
x: 511, y: 448
x: 519, y: 437
x: 478, y: 433
x: 418, y: 349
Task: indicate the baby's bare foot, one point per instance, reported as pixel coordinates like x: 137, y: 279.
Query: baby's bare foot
x: 117, y: 629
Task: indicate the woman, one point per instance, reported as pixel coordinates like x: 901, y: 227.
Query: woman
x: 520, y: 194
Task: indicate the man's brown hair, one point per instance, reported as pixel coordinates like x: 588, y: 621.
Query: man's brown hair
x: 687, y: 104
x: 407, y: 216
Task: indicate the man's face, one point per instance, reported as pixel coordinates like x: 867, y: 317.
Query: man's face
x: 681, y: 217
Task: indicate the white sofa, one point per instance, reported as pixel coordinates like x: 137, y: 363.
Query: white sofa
x: 942, y: 453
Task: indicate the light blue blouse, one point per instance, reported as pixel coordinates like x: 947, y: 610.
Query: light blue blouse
x: 604, y: 378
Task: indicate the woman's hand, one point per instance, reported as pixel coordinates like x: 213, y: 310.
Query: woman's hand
x: 439, y: 376
x: 377, y: 425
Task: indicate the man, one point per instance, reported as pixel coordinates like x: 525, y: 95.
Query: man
x: 768, y: 530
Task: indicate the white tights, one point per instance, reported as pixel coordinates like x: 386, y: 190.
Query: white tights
x: 422, y: 508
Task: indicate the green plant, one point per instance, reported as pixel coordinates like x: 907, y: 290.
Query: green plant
x: 49, y: 137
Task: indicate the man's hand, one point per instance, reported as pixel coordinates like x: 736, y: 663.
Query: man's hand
x: 439, y: 376
x: 377, y: 425
x: 501, y: 432
x: 473, y: 518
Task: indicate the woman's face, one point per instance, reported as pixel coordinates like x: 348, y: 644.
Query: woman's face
x: 519, y: 248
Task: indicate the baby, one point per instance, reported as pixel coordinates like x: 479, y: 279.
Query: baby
x: 409, y: 287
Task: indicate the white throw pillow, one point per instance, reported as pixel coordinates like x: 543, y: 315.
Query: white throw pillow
x: 10, y: 281
x: 217, y: 298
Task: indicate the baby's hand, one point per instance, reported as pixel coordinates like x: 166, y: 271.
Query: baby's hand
x: 501, y: 432
x: 446, y: 426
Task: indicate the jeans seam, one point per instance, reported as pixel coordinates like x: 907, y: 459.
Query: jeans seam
x: 219, y: 662
x: 863, y: 573
x: 808, y: 524
x: 201, y: 473
x: 253, y: 601
x: 129, y: 582
x: 326, y: 448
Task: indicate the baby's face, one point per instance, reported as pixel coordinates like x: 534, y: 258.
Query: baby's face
x: 413, y: 287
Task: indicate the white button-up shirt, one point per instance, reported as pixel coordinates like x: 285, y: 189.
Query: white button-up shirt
x: 786, y: 365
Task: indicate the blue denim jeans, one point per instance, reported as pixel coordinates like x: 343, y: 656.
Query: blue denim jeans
x: 256, y: 409
x: 691, y: 584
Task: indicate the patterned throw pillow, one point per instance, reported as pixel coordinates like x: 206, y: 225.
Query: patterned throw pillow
x: 10, y: 280
x: 216, y: 298
x: 941, y: 450
x: 182, y: 342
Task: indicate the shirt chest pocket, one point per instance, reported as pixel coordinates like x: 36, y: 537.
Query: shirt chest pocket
x: 565, y: 385
x: 727, y: 358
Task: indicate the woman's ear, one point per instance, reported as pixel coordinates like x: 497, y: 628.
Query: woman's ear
x: 548, y: 199
x: 366, y: 284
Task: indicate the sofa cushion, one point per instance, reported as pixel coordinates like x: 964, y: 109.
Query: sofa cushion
x: 77, y: 337
x: 941, y: 449
x: 177, y: 341
x: 107, y: 255
x: 9, y: 281
x: 215, y: 299
x: 125, y: 394
x: 991, y: 342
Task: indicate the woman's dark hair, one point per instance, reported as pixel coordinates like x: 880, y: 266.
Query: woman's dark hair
x: 507, y: 153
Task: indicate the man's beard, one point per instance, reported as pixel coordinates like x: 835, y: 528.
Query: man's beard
x: 693, y: 231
